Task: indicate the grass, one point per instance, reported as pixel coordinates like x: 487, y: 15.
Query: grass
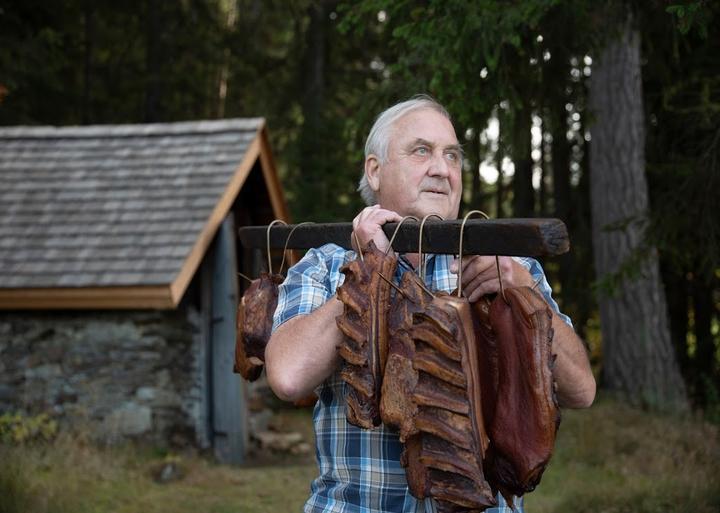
x: 613, y: 458
x: 608, y: 459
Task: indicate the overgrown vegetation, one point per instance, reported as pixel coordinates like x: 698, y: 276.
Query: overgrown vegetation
x: 611, y: 458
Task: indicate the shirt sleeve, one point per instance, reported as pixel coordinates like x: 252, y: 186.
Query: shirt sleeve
x: 542, y: 285
x: 310, y: 283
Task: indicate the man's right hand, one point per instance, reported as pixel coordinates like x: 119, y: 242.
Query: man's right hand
x: 367, y: 226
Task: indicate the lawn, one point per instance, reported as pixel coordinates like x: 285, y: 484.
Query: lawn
x: 610, y: 458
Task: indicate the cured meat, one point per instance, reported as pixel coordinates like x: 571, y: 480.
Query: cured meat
x: 254, y: 324
x: 444, y: 459
x: 397, y: 407
x: 526, y: 416
x: 488, y: 356
x: 366, y: 298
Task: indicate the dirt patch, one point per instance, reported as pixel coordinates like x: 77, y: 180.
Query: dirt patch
x: 288, y: 440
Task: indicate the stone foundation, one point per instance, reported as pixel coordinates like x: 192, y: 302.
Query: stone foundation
x: 117, y: 374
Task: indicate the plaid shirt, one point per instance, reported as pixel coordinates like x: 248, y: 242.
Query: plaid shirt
x: 360, y: 469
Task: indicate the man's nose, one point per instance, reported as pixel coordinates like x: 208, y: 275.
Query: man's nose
x: 439, y: 166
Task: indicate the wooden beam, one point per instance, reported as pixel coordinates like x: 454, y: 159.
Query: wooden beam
x: 511, y: 237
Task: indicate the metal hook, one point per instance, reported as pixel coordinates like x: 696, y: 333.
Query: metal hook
x: 392, y: 284
x: 244, y: 277
x: 397, y: 228
x: 276, y: 221
x: 502, y: 288
x: 421, y: 263
x: 460, y: 252
x: 282, y: 262
x: 359, y: 249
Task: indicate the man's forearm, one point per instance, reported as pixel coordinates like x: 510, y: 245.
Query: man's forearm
x: 572, y: 372
x: 302, y: 352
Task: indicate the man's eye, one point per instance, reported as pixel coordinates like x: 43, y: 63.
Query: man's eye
x: 421, y: 150
x: 452, y: 156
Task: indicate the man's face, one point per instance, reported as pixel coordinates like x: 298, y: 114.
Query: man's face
x: 422, y: 174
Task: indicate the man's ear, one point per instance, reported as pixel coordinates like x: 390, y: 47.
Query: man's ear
x: 372, y: 171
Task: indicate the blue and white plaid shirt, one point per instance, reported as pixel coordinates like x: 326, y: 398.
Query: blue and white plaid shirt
x: 360, y: 469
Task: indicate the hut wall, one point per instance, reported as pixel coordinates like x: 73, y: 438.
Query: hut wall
x: 117, y: 374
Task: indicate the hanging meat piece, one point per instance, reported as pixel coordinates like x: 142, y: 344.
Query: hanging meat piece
x: 254, y: 324
x: 526, y: 415
x: 488, y: 356
x: 397, y: 407
x: 366, y: 299
x: 444, y: 459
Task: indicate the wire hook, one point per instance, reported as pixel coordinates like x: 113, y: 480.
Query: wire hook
x: 287, y: 241
x: 276, y: 221
x: 421, y: 261
x: 460, y: 255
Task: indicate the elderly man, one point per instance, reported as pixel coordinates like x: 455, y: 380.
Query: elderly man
x: 413, y: 166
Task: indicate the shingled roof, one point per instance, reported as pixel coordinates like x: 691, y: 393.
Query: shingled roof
x: 118, y: 215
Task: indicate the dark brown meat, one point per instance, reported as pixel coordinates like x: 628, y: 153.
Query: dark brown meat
x: 254, y: 324
x: 444, y: 459
x: 526, y: 415
x: 397, y: 407
x: 487, y: 356
x: 366, y: 299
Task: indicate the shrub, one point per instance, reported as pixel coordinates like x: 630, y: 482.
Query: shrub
x: 18, y: 429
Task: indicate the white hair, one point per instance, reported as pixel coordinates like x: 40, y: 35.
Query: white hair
x: 378, y: 139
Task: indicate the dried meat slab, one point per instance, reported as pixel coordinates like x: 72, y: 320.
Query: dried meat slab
x: 366, y: 298
x: 397, y: 407
x: 254, y: 325
x: 488, y: 356
x: 444, y: 460
x: 526, y: 414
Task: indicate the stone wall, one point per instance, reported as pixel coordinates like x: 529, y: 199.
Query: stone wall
x: 117, y: 374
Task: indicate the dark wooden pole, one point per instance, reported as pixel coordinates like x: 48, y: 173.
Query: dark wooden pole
x: 511, y: 237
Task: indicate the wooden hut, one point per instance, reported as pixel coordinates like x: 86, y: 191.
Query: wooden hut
x: 118, y: 275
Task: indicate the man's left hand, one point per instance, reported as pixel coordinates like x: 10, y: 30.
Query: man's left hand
x: 480, y: 275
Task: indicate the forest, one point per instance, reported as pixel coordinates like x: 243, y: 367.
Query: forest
x: 604, y: 114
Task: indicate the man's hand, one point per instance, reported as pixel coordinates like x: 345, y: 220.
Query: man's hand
x: 367, y: 226
x: 480, y: 275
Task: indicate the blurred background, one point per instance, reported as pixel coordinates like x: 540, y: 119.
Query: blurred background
x: 605, y: 114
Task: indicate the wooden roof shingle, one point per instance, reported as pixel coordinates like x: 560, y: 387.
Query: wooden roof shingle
x: 130, y: 206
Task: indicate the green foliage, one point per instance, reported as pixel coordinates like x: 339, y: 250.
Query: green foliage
x: 441, y: 47
x: 18, y: 429
x: 692, y: 14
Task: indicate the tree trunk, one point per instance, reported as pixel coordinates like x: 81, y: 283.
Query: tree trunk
x: 545, y: 177
x: 311, y: 183
x: 639, y: 359
x: 230, y: 12
x: 560, y: 158
x: 474, y: 156
x: 704, y: 343
x: 499, y: 155
x: 581, y: 233
x: 523, y: 192
x: 152, y: 62
x: 88, y: 40
x: 676, y: 291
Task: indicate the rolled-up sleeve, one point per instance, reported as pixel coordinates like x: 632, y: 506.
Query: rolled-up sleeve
x: 542, y: 285
x: 310, y: 282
